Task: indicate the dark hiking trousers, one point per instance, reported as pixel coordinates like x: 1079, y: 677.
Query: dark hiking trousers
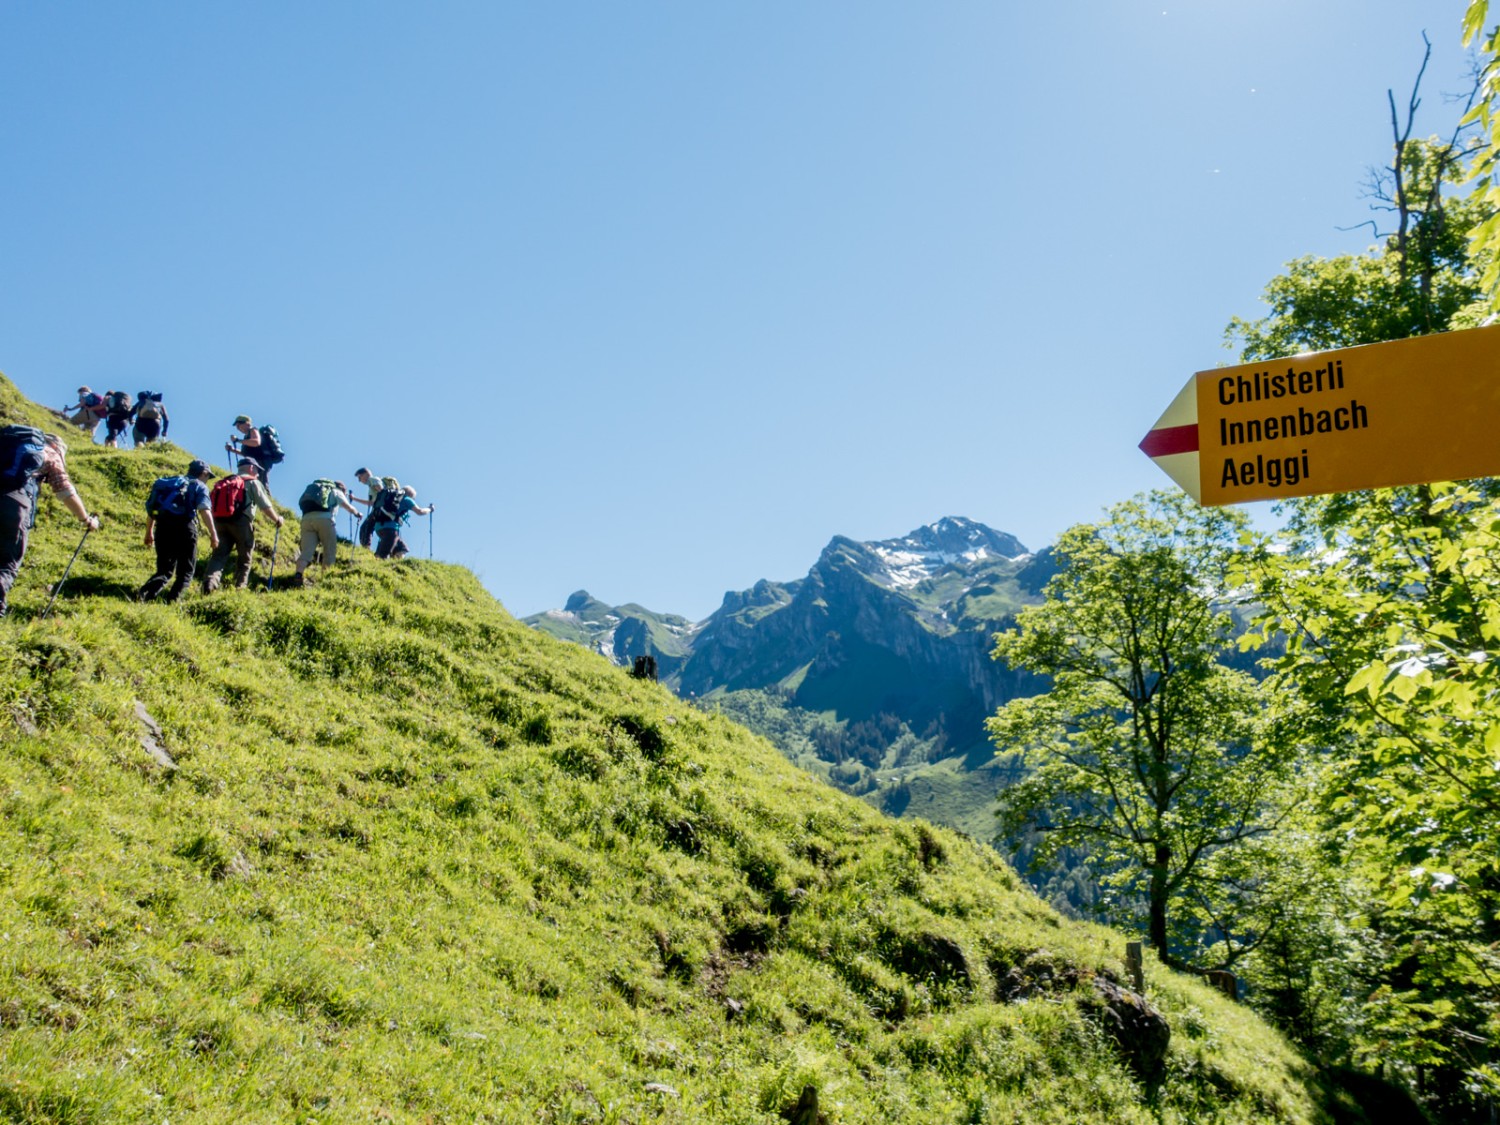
x: 391, y: 545
x: 176, y: 558
x: 15, y: 515
x: 237, y: 533
x: 367, y: 528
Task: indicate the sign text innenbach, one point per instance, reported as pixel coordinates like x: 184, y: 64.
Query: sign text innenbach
x: 1401, y: 412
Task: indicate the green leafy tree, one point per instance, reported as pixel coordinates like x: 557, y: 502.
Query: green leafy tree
x: 1484, y: 237
x: 1147, y: 753
x: 1391, y: 627
x: 1387, y: 607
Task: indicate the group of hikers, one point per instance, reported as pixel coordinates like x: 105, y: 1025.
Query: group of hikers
x: 146, y: 416
x: 177, y: 506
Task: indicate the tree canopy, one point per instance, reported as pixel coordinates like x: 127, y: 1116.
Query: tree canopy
x: 1148, y: 749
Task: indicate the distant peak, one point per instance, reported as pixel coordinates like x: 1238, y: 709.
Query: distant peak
x: 958, y: 536
x: 578, y: 601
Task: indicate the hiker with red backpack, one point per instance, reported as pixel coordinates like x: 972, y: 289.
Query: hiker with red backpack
x: 30, y: 458
x: 319, y: 501
x: 260, y: 445
x: 173, y: 510
x: 234, y: 501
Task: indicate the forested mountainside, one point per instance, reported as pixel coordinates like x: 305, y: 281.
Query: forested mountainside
x: 873, y: 670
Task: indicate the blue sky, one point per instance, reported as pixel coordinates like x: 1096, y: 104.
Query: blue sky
x: 654, y: 298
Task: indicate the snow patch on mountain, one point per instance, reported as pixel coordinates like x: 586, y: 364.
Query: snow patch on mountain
x: 909, y: 568
x: 950, y: 541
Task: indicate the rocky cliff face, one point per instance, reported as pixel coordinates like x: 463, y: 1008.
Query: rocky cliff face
x: 899, y: 627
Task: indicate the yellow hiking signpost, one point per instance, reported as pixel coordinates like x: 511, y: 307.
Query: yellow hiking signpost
x: 1403, y: 412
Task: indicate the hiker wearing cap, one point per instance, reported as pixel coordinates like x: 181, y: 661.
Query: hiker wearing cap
x: 151, y: 421
x: 233, y: 502
x: 319, y: 501
x: 28, y: 459
x: 373, y: 484
x: 173, y: 510
x: 390, y: 509
x: 260, y: 445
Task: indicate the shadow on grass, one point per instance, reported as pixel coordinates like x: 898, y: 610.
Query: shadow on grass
x: 96, y: 586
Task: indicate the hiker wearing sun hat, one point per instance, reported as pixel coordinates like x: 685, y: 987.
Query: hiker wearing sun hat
x: 173, y: 510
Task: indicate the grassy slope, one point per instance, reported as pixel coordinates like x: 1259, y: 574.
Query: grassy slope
x: 420, y: 863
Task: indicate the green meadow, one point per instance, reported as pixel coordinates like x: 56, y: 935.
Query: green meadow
x: 417, y: 862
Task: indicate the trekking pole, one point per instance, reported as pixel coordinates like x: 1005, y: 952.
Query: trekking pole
x: 58, y: 588
x: 431, y: 511
x: 275, y: 541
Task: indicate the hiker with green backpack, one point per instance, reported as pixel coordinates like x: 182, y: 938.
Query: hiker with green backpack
x: 234, y: 501
x: 373, y: 484
x: 173, y: 510
x: 30, y: 458
x: 319, y: 501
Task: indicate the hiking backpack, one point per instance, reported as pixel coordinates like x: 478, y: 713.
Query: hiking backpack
x: 269, y: 452
x: 387, y: 507
x: 318, y: 497
x: 229, y: 498
x: 22, y: 450
x: 117, y: 402
x: 149, y: 406
x: 94, y: 404
x: 169, y: 497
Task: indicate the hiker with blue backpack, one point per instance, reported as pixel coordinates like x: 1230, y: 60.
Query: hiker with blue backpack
x: 87, y: 414
x: 30, y: 458
x: 390, y: 511
x: 260, y: 445
x: 318, y: 502
x: 234, y: 501
x: 173, y: 511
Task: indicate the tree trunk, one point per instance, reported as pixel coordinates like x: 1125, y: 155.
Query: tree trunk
x: 1160, y: 866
